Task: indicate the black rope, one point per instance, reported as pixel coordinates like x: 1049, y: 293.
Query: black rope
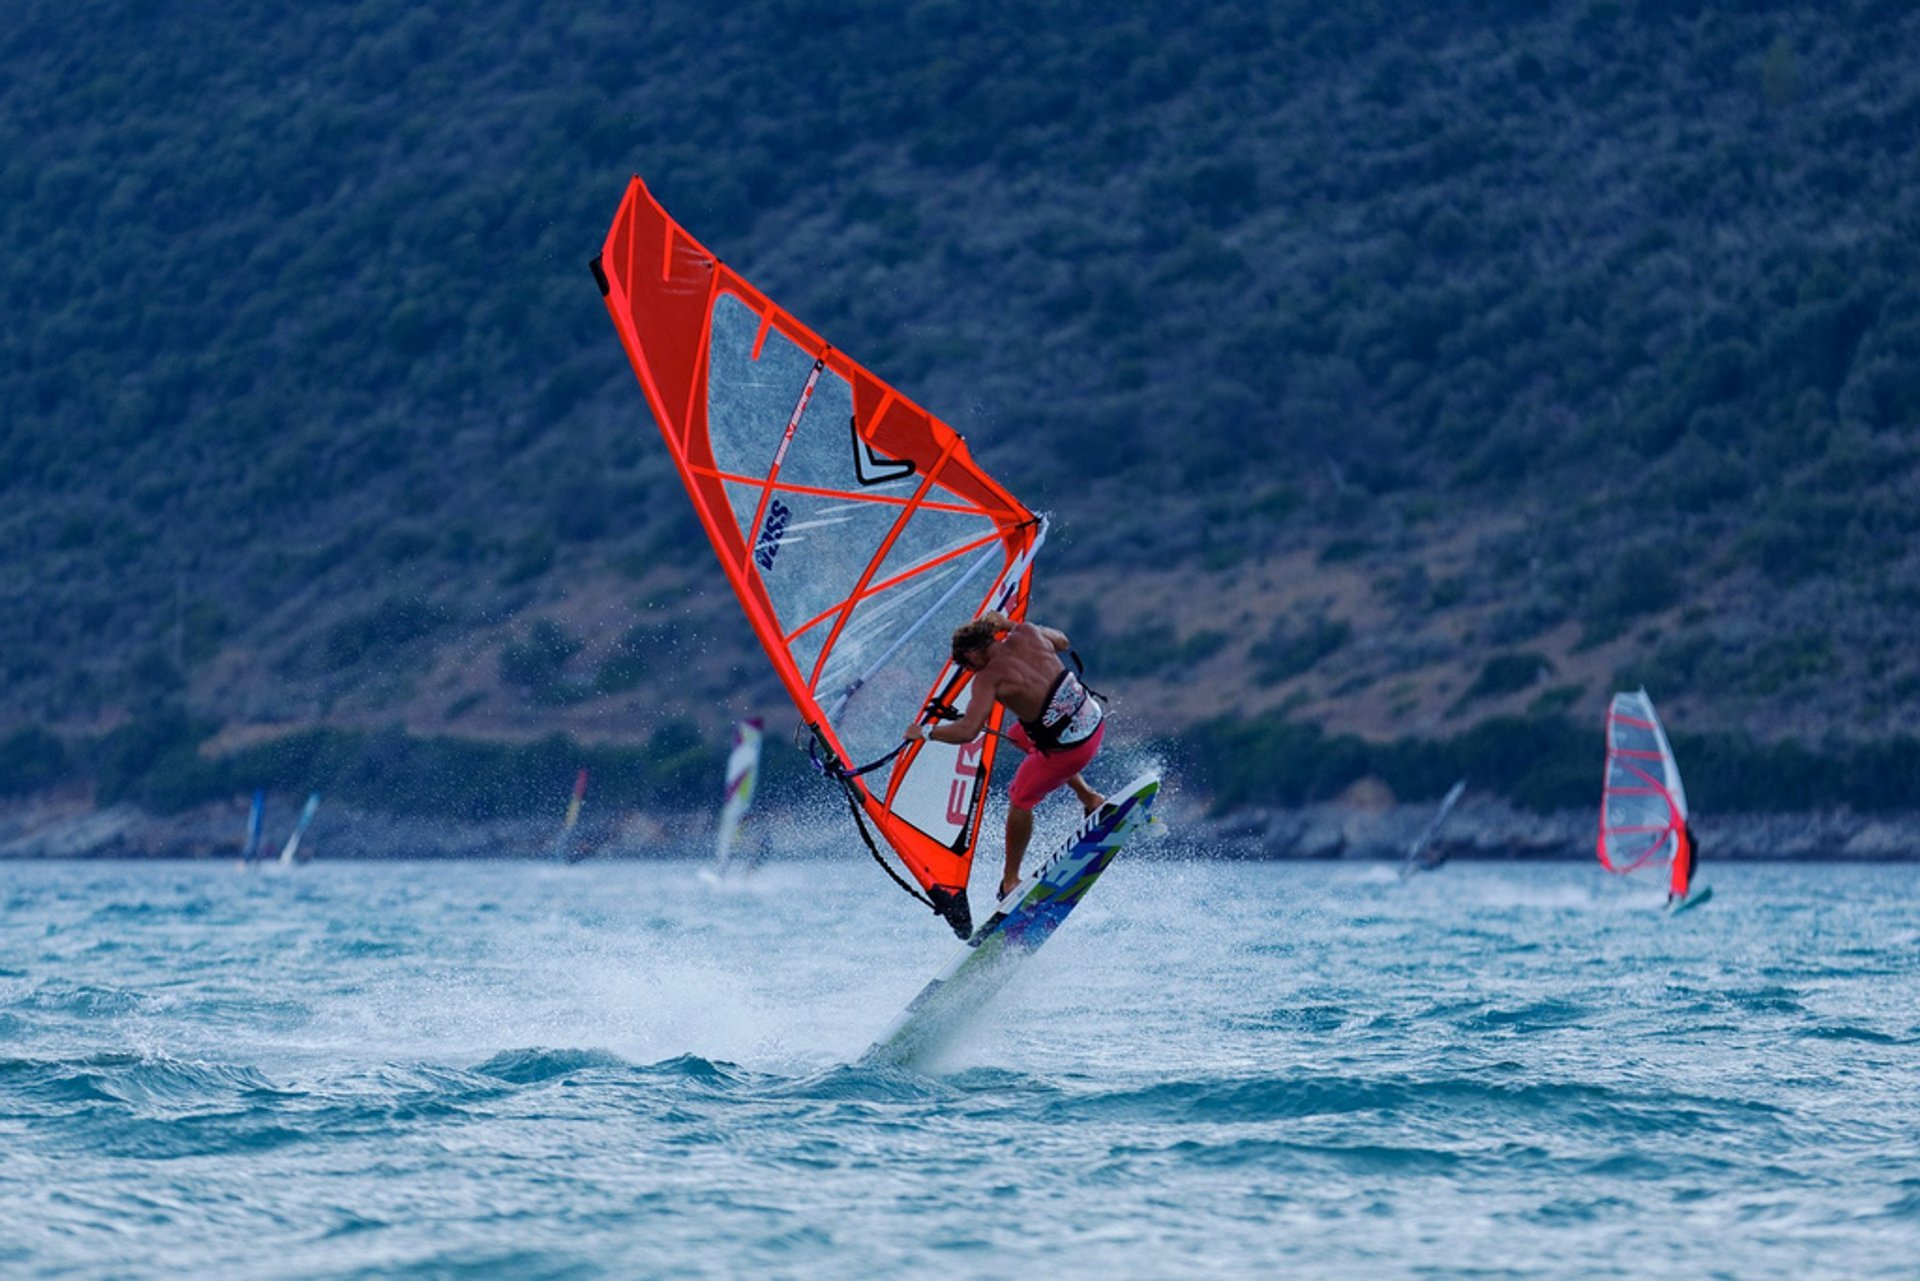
x: 860, y: 822
x: 832, y: 768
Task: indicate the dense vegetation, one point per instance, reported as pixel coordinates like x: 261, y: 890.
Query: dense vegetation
x: 1543, y: 763
x: 153, y: 761
x: 309, y: 414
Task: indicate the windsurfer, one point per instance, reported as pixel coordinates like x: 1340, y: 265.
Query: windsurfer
x: 1061, y: 723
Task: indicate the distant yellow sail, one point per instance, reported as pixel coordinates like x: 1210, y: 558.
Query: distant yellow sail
x: 743, y: 772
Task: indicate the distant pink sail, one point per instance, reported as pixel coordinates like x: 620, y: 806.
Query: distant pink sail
x: 1643, y: 805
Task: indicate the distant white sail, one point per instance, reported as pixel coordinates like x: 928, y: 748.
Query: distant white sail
x: 250, y: 852
x: 1419, y: 857
x: 743, y: 771
x: 292, y: 847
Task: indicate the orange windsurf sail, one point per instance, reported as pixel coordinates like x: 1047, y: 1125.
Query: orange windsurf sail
x: 853, y: 525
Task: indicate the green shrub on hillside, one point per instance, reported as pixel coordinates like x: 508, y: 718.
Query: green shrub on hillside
x: 645, y: 650
x: 1156, y: 648
x: 1287, y: 651
x: 1541, y: 764
x: 1507, y: 674
x: 535, y: 664
x: 1643, y: 580
x: 153, y: 760
x: 31, y: 760
x: 387, y: 627
x: 529, y: 556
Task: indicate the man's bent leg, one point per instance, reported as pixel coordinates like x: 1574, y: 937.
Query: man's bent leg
x: 1019, y: 832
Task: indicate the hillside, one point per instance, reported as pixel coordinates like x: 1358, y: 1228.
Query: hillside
x: 1383, y: 373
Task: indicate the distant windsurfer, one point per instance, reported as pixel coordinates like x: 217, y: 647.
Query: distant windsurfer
x: 1061, y: 722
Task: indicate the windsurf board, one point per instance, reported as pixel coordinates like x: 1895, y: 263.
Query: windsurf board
x: 1691, y: 901
x: 1022, y: 921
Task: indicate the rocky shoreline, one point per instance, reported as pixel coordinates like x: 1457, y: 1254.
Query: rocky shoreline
x: 1480, y: 828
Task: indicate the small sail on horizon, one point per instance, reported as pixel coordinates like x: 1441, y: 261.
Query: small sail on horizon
x: 564, y: 849
x: 743, y: 773
x: 291, y: 850
x: 1643, y: 805
x: 1420, y: 856
x: 256, y: 813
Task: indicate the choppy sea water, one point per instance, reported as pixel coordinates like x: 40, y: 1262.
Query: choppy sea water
x: 621, y: 1070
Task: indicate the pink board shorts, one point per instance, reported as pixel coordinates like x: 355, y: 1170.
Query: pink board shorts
x: 1041, y: 774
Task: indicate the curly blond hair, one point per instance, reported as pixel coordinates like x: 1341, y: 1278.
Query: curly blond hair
x: 975, y: 635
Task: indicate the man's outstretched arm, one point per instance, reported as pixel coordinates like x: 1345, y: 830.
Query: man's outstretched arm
x: 971, y: 722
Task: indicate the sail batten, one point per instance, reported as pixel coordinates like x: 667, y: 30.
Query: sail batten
x: 963, y: 509
x: 906, y: 634
x: 867, y: 592
x: 853, y: 526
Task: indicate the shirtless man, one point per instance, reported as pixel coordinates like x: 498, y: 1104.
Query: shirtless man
x: 1061, y: 724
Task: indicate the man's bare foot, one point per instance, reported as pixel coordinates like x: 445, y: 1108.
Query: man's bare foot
x: 1097, y: 801
x: 1006, y: 887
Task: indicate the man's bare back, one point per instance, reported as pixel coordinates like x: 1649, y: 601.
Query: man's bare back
x: 1020, y: 670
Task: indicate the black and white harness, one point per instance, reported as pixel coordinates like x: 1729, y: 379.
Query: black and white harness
x: 1070, y: 716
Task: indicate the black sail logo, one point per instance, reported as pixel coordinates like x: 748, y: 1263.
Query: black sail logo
x: 870, y: 468
x: 767, y: 546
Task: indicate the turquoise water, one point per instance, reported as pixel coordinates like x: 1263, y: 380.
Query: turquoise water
x: 619, y: 1070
